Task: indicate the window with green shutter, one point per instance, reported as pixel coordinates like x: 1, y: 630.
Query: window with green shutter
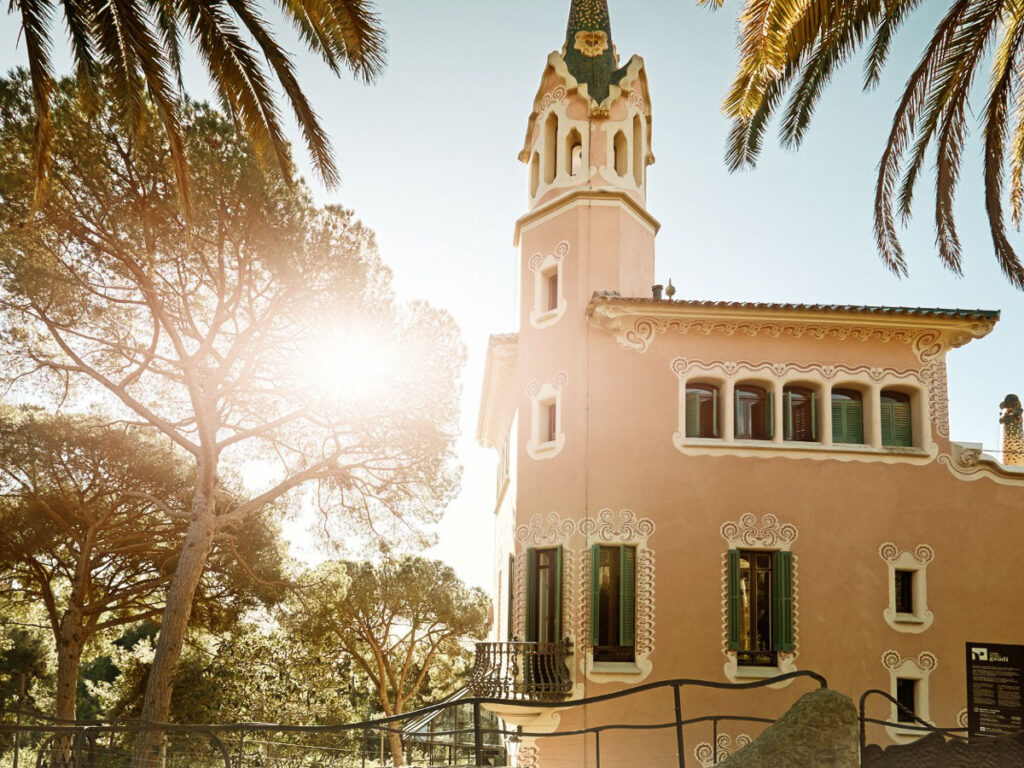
x: 755, y: 413
x: 897, y: 428
x: 847, y: 417
x: 613, y: 602
x: 759, y: 594
x: 544, y: 595
x: 799, y: 414
x: 701, y: 410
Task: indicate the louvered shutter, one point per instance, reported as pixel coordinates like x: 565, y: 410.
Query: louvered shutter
x: 787, y: 415
x: 558, y: 596
x: 814, y: 417
x: 692, y: 413
x: 903, y: 432
x: 511, y: 597
x: 627, y: 596
x: 782, y: 601
x: 595, y: 591
x: 888, y: 427
x: 531, y: 595
x: 733, y: 602
x: 769, y: 421
x: 714, y: 412
x: 855, y: 421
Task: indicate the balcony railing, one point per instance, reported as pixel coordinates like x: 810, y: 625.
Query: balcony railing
x: 521, y: 671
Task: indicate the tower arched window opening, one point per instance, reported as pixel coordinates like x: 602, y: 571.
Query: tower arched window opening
x: 638, y: 151
x: 534, y: 174
x: 550, y: 148
x: 573, y: 153
x: 621, y: 150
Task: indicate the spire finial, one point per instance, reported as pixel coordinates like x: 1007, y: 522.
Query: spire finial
x: 589, y: 52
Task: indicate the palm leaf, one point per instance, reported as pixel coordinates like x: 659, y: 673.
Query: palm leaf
x: 35, y: 19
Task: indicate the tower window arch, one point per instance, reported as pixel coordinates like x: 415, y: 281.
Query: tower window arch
x: 573, y: 153
x: 847, y: 416
x: 638, y: 151
x: 621, y: 153
x: 534, y: 174
x: 755, y: 413
x: 702, y: 410
x: 897, y: 424
x: 799, y: 414
x: 550, y: 148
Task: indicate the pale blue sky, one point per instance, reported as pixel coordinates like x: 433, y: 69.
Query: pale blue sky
x: 428, y: 157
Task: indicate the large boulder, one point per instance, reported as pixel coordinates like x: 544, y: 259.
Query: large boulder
x: 819, y: 731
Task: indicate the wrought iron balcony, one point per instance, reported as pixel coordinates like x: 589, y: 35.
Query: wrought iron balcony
x: 521, y: 671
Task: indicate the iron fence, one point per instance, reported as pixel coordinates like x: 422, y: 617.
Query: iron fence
x: 520, y: 671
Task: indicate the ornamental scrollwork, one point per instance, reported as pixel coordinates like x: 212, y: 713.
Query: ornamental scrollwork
x: 682, y: 367
x: 925, y: 661
x: 705, y: 752
x: 554, y: 96
x: 623, y: 526
x: 558, y: 254
x: 891, y: 553
x: 768, y: 534
x: 546, y: 530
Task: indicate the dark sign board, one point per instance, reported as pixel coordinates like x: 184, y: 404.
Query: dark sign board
x: 995, y: 675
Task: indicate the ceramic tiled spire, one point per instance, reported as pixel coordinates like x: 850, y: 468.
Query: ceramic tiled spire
x: 589, y: 52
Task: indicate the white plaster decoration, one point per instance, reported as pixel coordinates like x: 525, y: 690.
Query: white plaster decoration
x: 935, y: 380
x: 555, y: 102
x: 919, y: 669
x: 555, y: 96
x: 705, y: 751
x: 529, y: 754
x: 961, y: 718
x: 916, y: 562
x: 626, y: 528
x: 770, y: 535
x: 544, y: 267
x: 539, y: 447
x: 968, y: 461
x: 519, y: 599
x: 609, y: 176
x: 548, y: 530
x: 870, y: 380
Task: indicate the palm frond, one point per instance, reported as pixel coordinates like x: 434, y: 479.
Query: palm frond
x: 316, y: 138
x: 895, y: 13
x: 1002, y: 94
x: 81, y: 35
x: 35, y: 21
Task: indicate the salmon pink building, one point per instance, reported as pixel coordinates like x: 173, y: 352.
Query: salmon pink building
x: 716, y: 490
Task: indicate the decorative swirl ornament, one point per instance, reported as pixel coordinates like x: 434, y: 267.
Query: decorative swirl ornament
x: 546, y: 530
x: 891, y: 553
x: 625, y: 526
x: 770, y: 534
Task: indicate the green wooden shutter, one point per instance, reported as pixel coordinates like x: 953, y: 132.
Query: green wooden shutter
x: 782, y: 601
x: 531, y: 595
x: 511, y: 596
x: 735, y: 413
x: 692, y: 413
x: 714, y: 412
x: 769, y: 422
x: 627, y: 596
x: 787, y: 415
x: 888, y: 427
x: 558, y: 596
x: 814, y: 417
x: 838, y: 422
x: 855, y: 421
x: 595, y: 590
x: 903, y: 431
x: 734, y: 604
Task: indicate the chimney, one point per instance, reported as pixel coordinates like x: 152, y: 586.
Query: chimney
x: 656, y: 291
x: 1013, y: 431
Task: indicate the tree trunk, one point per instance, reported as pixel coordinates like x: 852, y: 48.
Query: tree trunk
x: 149, y: 745
x: 69, y: 658
x: 397, y: 752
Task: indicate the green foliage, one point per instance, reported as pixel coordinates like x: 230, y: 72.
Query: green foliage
x: 795, y: 46
x: 129, y: 55
x: 24, y: 662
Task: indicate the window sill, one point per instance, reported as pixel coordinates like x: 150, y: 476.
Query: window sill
x: 799, y: 449
x: 907, y: 618
x: 757, y: 673
x: 616, y: 668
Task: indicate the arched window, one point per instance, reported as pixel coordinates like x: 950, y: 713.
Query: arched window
x: 534, y: 174
x: 701, y: 410
x: 755, y: 413
x: 897, y: 427
x: 573, y: 153
x: 550, y: 148
x: 847, y: 416
x: 638, y: 151
x: 621, y: 154
x: 799, y: 414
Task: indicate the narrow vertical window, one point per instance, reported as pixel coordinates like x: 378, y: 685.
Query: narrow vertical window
x: 613, y: 602
x: 621, y: 151
x: 799, y: 413
x: 897, y: 429
x: 544, y: 595
x: 534, y: 174
x: 573, y: 153
x: 847, y: 416
x: 755, y: 413
x: 550, y: 148
x: 906, y: 695
x: 760, y: 605
x: 638, y: 151
x: 701, y: 410
x: 552, y: 422
x: 904, y: 584
x: 552, y: 286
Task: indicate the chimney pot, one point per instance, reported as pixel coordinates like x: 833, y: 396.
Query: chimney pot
x: 1012, y: 418
x: 656, y: 291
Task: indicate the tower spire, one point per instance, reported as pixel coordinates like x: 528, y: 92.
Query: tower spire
x: 589, y: 52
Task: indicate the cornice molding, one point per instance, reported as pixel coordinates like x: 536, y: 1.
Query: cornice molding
x: 635, y: 324
x: 968, y: 461
x: 581, y: 194
x: 497, y: 399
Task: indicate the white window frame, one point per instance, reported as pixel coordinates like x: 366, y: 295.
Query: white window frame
x: 915, y: 561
